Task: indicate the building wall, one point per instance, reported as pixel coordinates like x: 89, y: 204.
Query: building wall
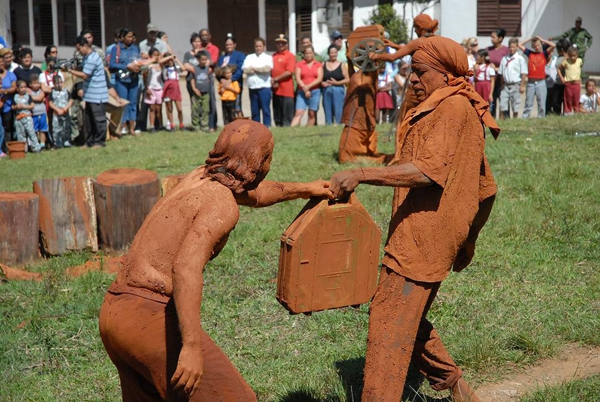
x: 180, y: 18
x: 5, y: 22
x: 458, y: 20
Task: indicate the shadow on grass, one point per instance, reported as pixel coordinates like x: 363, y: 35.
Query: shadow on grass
x: 351, y: 376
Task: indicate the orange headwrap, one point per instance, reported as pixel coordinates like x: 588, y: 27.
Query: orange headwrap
x: 424, y: 21
x: 448, y: 57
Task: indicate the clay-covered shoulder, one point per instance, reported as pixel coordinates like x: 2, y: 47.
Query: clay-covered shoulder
x: 457, y: 106
x: 217, y: 208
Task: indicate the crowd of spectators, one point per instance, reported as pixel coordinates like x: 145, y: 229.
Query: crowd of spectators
x: 121, y: 91
x: 547, y: 71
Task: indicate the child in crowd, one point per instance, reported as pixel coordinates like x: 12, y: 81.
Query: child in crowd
x: 485, y: 76
x: 513, y: 69
x: 171, y: 91
x: 229, y: 91
x: 200, y: 89
x: 570, y: 74
x: 40, y: 121
x: 537, y: 58
x: 22, y: 106
x: 60, y: 103
x: 154, y: 87
x: 588, y: 103
x: 383, y: 101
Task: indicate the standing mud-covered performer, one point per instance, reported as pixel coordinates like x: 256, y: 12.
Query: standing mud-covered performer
x: 424, y: 27
x: 359, y: 137
x: 150, y: 319
x: 443, y: 195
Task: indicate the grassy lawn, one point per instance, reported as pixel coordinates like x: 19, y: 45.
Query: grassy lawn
x: 533, y: 286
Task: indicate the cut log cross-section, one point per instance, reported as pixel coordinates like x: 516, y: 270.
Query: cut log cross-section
x: 67, y: 215
x: 19, y: 235
x: 123, y: 199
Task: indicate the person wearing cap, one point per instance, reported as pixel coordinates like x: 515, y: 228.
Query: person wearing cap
x: 443, y: 194
x: 282, y: 82
x: 578, y: 36
x: 152, y: 41
x: 337, y: 39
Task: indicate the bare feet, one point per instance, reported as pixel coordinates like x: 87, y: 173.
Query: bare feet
x: 461, y: 392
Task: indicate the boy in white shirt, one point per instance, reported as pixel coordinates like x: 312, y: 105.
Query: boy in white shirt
x: 513, y: 69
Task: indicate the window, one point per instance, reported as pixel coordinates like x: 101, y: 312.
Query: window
x: 67, y: 22
x: 42, y: 23
x: 494, y: 14
x: 91, y: 19
x: 19, y: 22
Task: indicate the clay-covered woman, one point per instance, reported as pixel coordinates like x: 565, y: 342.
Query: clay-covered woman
x: 150, y: 319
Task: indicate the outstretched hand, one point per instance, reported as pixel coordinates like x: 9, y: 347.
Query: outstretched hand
x: 319, y: 189
x: 343, y: 183
x: 186, y: 379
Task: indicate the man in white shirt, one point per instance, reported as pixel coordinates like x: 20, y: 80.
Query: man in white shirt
x: 513, y: 69
x: 258, y: 66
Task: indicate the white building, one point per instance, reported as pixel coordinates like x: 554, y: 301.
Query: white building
x: 38, y: 23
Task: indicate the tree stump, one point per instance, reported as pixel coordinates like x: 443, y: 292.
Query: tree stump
x: 123, y: 199
x: 167, y: 183
x: 67, y: 214
x: 19, y: 235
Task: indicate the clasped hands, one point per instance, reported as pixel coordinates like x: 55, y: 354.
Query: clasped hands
x: 340, y: 186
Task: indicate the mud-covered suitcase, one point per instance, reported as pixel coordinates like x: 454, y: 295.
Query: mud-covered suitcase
x: 329, y: 257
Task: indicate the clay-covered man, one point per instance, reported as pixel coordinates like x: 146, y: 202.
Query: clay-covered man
x: 359, y: 137
x: 443, y: 194
x: 150, y: 319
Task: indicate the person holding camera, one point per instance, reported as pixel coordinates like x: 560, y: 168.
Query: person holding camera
x: 95, y: 93
x: 125, y: 65
x: 47, y: 77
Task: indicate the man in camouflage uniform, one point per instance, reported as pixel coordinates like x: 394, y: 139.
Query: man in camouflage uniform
x: 577, y: 36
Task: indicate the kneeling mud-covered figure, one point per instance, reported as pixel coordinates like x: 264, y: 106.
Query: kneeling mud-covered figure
x: 150, y: 319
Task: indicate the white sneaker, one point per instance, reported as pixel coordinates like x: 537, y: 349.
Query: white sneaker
x: 137, y: 131
x: 168, y: 125
x: 67, y: 144
x: 123, y: 131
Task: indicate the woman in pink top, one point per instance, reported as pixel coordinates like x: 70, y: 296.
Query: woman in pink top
x: 309, y: 75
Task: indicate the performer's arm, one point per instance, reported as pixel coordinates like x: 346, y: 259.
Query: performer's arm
x: 209, y: 228
x: 404, y: 175
x: 409, y: 48
x: 272, y: 192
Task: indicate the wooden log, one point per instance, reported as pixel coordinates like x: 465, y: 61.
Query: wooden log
x: 67, y: 215
x: 123, y: 199
x: 167, y: 183
x: 19, y: 233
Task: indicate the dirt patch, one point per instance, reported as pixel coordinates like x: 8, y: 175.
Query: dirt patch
x: 574, y: 362
x: 108, y: 264
x: 13, y: 274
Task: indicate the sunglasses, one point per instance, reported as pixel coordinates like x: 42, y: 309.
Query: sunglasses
x: 474, y: 44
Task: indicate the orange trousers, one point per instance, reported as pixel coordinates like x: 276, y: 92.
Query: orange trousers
x: 142, y: 339
x: 399, y: 333
x: 358, y: 143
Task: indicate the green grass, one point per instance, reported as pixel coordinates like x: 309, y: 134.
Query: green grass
x: 586, y: 390
x: 533, y: 286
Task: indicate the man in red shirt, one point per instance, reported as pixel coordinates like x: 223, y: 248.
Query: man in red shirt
x: 282, y: 83
x: 536, y: 76
x: 213, y: 52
